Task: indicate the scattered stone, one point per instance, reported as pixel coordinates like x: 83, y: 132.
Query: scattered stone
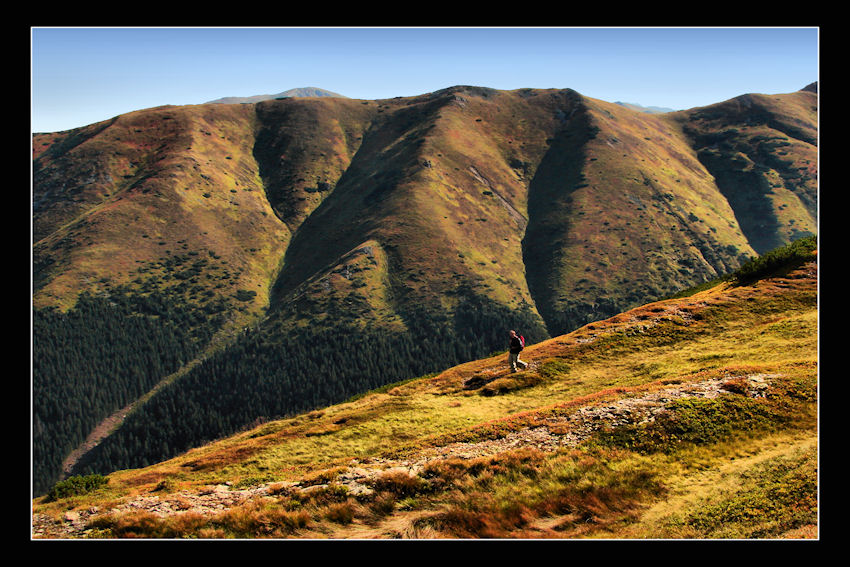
x: 555, y: 433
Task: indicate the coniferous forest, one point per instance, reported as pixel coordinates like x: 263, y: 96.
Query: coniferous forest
x: 95, y: 359
x: 105, y: 353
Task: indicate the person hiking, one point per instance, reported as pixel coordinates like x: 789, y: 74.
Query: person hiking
x: 517, y: 344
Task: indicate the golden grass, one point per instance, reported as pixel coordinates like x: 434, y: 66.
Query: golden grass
x: 769, y: 328
x: 760, y: 329
x: 719, y: 474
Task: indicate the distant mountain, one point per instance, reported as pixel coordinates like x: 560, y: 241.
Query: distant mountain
x: 291, y: 93
x: 264, y: 259
x: 649, y: 109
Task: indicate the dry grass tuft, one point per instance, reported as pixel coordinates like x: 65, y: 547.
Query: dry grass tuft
x: 399, y: 483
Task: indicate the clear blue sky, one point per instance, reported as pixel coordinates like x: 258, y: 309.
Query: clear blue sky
x: 84, y: 75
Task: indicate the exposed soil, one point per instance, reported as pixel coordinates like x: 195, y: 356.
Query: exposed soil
x: 97, y: 435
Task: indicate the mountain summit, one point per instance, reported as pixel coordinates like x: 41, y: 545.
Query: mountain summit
x: 302, y: 92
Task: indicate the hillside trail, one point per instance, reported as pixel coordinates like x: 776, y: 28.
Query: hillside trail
x: 550, y: 435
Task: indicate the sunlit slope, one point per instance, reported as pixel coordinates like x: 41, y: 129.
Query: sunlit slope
x: 690, y: 417
x: 763, y: 153
x: 572, y: 206
x: 622, y: 211
x: 439, y: 188
x: 153, y: 200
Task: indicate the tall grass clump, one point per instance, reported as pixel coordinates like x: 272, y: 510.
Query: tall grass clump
x: 505, y: 495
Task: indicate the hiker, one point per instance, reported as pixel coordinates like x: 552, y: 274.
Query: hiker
x: 517, y: 344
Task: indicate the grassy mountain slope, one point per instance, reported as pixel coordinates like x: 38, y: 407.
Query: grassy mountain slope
x: 132, y: 200
x: 427, y: 225
x: 622, y: 210
x: 431, y: 187
x: 572, y: 205
x: 762, y: 151
x: 693, y: 417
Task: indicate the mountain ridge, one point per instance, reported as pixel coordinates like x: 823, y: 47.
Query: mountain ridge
x: 455, y: 213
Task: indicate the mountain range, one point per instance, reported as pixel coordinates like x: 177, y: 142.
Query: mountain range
x: 290, y: 253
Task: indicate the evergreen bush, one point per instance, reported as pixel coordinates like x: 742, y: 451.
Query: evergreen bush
x: 76, y: 485
x: 786, y: 257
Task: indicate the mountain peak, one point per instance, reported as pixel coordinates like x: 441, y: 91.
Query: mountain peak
x: 647, y: 109
x: 291, y: 93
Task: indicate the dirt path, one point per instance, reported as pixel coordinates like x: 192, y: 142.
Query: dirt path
x: 110, y: 424
x: 557, y: 432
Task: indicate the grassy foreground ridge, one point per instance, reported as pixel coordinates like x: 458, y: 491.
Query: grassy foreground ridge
x: 690, y: 417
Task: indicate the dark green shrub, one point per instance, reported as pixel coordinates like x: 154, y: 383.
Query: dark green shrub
x: 788, y: 256
x: 245, y: 294
x: 76, y: 485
